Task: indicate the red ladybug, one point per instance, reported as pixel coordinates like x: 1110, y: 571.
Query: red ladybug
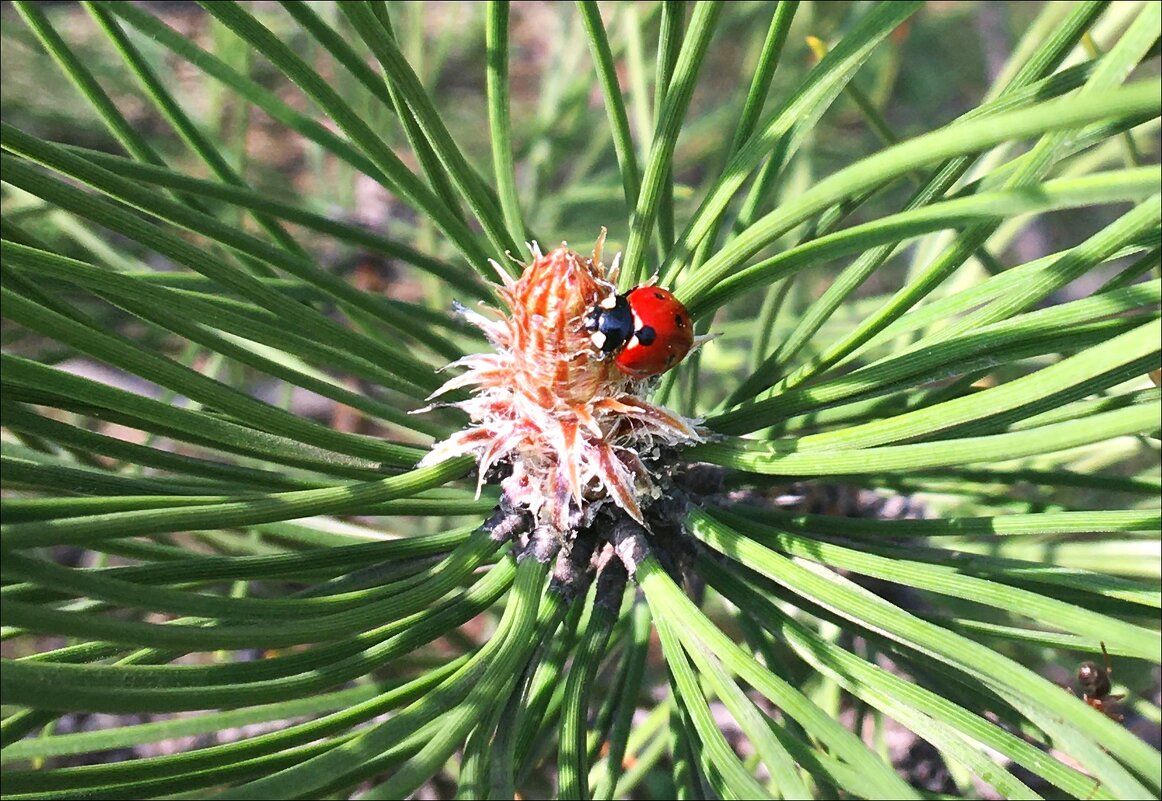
x: 648, y: 328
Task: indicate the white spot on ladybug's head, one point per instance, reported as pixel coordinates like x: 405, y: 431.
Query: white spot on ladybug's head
x: 609, y: 302
x: 598, y: 339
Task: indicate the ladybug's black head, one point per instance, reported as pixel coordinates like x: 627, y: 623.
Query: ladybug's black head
x: 1093, y: 679
x: 610, y: 323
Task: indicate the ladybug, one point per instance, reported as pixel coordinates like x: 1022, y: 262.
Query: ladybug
x: 647, y: 328
x: 1095, y: 686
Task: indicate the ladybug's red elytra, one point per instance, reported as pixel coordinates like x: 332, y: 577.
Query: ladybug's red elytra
x: 647, y: 328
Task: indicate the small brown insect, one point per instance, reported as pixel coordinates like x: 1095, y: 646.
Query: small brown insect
x: 1095, y: 686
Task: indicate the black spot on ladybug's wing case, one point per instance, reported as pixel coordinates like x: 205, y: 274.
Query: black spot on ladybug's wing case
x: 679, y: 321
x: 646, y: 335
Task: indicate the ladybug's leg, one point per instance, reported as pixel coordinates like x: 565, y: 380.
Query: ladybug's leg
x: 593, y: 353
x: 1104, y: 705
